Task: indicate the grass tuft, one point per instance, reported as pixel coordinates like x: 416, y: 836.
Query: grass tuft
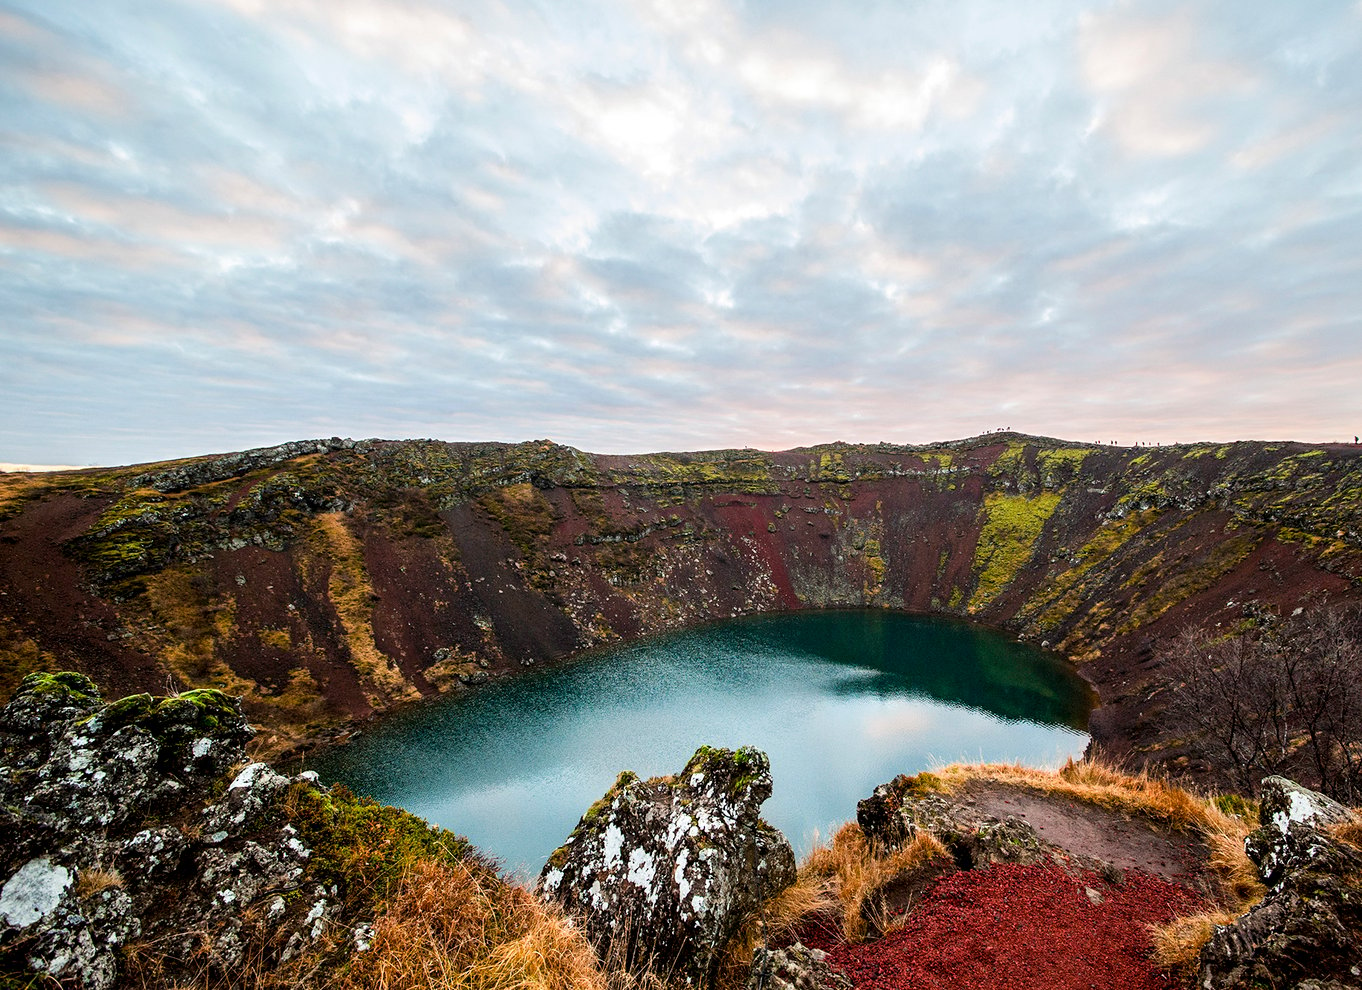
x: 1178, y: 943
x: 452, y: 927
x: 856, y: 870
x: 95, y: 881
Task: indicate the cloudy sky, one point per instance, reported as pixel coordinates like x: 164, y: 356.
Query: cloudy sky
x: 644, y: 225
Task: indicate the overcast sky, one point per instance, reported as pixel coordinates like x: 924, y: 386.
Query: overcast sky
x: 674, y: 225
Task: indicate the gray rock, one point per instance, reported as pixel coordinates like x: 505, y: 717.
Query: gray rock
x: 1307, y: 931
x: 665, y: 871
x: 897, y: 811
x: 794, y: 967
x: 1288, y: 816
x: 33, y: 892
x: 90, y: 862
x: 250, y: 796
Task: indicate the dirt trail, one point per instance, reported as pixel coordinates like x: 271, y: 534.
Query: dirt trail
x: 1128, y: 842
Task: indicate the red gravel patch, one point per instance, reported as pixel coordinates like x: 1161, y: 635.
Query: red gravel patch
x: 1022, y: 927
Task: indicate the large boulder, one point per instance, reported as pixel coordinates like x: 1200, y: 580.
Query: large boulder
x: 664, y: 871
x: 1307, y: 931
x: 1290, y: 817
x: 117, y: 831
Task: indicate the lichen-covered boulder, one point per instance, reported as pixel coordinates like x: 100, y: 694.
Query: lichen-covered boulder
x: 1307, y: 931
x: 665, y: 871
x: 106, y: 840
x: 881, y: 814
x: 1289, y: 815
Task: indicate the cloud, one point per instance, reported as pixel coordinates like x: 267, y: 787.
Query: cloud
x: 661, y: 225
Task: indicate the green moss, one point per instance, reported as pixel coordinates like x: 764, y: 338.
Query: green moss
x: 68, y: 682
x: 1177, y: 584
x: 1009, y: 462
x: 364, y: 847
x: 625, y: 779
x: 1065, y: 460
x: 200, y: 711
x: 830, y: 467
x: 877, y: 566
x: 1011, y: 526
x: 1238, y: 806
x: 125, y: 711
x: 1060, y: 598
x: 746, y: 471
x: 925, y: 783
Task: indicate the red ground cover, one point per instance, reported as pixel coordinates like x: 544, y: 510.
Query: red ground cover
x: 1019, y: 927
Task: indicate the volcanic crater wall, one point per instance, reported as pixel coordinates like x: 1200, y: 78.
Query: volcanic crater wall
x: 327, y: 580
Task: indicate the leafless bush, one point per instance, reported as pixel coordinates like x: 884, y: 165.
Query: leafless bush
x: 1286, y: 699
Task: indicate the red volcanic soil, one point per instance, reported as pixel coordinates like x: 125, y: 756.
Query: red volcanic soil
x: 43, y: 596
x: 1021, y: 927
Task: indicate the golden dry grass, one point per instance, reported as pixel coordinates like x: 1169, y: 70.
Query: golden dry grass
x: 855, y: 870
x: 454, y: 928
x: 96, y: 880
x: 1178, y: 944
x: 1107, y: 786
x: 1350, y: 832
x: 777, y: 923
x: 352, y: 596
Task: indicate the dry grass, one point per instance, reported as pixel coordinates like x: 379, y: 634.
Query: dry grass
x: 855, y: 869
x: 1350, y: 832
x: 454, y: 928
x: 96, y: 880
x: 777, y: 923
x: 1178, y: 944
x: 1240, y: 885
x: 352, y: 596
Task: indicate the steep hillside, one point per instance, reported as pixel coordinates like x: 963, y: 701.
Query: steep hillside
x: 327, y: 580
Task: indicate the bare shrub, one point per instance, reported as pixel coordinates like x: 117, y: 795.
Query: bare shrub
x: 1286, y: 699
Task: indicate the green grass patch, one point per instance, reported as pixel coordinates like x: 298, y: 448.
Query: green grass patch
x: 1011, y: 526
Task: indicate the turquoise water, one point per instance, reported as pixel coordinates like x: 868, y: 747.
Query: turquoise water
x: 841, y: 701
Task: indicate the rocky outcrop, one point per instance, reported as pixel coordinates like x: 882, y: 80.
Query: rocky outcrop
x: 1307, y: 932
x: 118, y: 833
x: 207, y: 470
x: 897, y: 812
x: 664, y: 871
